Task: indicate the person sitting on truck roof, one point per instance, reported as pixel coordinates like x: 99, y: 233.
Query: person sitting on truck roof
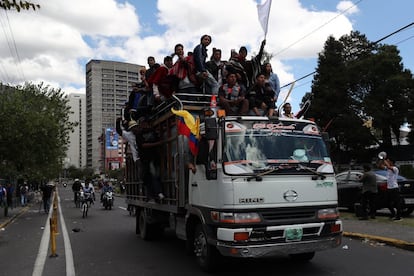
x: 216, y: 66
x: 157, y: 78
x: 232, y: 96
x: 200, y: 55
x: 261, y: 101
x: 184, y: 70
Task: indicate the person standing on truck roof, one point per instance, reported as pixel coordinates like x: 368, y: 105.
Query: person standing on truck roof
x: 271, y: 79
x: 253, y: 66
x: 200, y: 56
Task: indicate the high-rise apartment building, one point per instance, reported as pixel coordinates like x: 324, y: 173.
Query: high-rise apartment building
x: 76, y: 154
x: 108, y: 84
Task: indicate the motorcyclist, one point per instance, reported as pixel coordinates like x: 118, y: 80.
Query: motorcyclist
x: 88, y: 190
x: 76, y: 186
x: 106, y: 188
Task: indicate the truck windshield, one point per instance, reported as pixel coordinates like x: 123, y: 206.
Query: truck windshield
x: 259, y: 149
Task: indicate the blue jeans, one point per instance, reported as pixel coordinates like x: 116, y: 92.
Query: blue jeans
x: 23, y: 200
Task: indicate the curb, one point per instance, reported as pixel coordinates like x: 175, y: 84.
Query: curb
x: 11, y: 219
x: 389, y: 241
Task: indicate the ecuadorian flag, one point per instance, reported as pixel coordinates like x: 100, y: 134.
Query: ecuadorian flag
x: 189, y: 127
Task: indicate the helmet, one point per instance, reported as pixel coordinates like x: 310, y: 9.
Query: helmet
x: 76, y: 179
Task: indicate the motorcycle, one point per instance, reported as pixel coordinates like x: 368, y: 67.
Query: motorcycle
x: 85, y: 201
x: 108, y: 200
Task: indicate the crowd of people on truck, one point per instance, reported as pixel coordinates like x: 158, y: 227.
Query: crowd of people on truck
x: 243, y: 86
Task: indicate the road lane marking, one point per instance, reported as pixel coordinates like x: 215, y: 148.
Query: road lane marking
x: 70, y: 266
x: 43, y: 249
x: 123, y: 208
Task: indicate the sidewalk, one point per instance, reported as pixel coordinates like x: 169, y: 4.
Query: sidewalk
x: 399, y: 234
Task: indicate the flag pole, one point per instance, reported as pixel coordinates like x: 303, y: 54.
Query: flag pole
x: 267, y: 21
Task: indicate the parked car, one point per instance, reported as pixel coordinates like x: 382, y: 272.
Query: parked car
x: 350, y: 188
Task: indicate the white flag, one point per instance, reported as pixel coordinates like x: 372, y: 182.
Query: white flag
x: 263, y: 11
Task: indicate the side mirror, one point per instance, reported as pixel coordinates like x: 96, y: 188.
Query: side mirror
x: 211, y: 129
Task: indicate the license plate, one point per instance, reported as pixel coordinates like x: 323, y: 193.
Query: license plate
x: 293, y: 234
x: 409, y: 200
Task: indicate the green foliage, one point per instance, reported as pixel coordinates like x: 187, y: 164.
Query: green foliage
x: 18, y: 5
x: 35, y: 124
x: 355, y: 81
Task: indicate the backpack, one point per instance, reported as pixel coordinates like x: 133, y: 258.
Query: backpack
x: 23, y: 190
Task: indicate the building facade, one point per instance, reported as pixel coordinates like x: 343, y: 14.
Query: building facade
x: 108, y: 84
x: 76, y: 154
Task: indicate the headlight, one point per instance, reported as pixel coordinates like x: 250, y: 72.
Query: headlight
x: 329, y: 213
x: 228, y: 217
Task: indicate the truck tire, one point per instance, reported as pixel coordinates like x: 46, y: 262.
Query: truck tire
x: 207, y: 255
x: 144, y: 227
x: 303, y: 257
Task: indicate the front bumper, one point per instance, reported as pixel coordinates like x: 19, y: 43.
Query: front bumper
x: 313, y: 239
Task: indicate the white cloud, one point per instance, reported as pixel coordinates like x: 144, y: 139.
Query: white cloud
x: 55, y: 41
x: 347, y: 7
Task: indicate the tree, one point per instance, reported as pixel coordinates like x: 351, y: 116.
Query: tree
x: 357, y: 80
x: 18, y: 5
x: 36, y: 126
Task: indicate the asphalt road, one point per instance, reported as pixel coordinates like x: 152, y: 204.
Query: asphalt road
x: 105, y: 244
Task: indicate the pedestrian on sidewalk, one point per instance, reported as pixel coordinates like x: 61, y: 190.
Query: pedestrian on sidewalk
x: 3, y: 199
x: 393, y: 190
x: 24, y: 189
x: 369, y: 193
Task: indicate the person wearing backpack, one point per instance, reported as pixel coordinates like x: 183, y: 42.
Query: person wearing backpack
x: 23, y: 195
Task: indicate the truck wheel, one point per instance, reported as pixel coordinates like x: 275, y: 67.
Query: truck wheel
x: 144, y: 227
x: 303, y: 257
x: 206, y: 255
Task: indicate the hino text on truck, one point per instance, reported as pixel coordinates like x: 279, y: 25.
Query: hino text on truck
x: 239, y: 186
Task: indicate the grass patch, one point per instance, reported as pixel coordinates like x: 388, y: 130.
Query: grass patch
x: 380, y: 218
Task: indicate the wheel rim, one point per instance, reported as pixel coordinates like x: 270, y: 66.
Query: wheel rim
x: 200, y: 245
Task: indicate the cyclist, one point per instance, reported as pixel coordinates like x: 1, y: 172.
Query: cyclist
x: 76, y: 186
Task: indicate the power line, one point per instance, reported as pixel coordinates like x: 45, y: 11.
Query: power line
x: 318, y: 28
x: 11, y: 43
x: 376, y: 42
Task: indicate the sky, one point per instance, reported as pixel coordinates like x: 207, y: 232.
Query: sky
x: 53, y: 44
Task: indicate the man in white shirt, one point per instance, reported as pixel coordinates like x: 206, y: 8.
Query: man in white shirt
x: 393, y: 190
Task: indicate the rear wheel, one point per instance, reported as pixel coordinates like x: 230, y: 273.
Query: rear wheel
x: 144, y: 226
x: 207, y: 255
x: 84, y: 210
x: 303, y: 257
